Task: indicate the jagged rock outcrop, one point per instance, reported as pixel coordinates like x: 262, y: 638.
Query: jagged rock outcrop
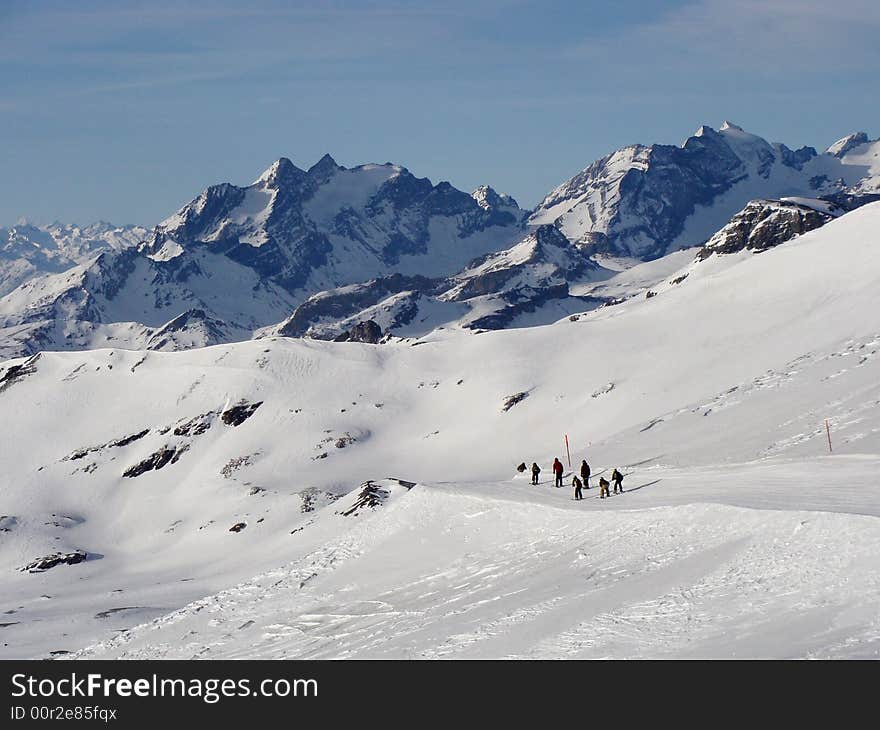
x: 368, y: 332
x: 47, y: 562
x: 763, y: 224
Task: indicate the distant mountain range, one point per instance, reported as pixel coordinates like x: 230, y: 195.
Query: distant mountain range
x: 318, y: 252
x: 643, y: 202
x: 28, y: 250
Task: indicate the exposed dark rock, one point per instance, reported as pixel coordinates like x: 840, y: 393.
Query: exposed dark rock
x: 195, y: 426
x: 238, y: 527
x: 129, y: 439
x: 313, y: 498
x: 50, y: 561
x: 521, y: 467
x: 345, y: 302
x: 14, y: 373
x: 368, y: 332
x: 164, y: 456
x: 238, y: 414
x: 122, y: 610
x: 512, y: 400
x: 847, y: 200
x: 235, y: 464
x: 371, y: 495
x: 763, y: 224
x: 404, y: 482
x: 124, y: 441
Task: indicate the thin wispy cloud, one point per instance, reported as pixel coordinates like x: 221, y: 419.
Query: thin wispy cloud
x: 517, y: 93
x: 772, y: 36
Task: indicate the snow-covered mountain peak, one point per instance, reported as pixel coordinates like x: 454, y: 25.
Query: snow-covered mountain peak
x: 324, y: 167
x: 703, y: 130
x: 642, y: 202
x: 488, y: 199
x: 244, y: 258
x: 846, y: 144
x: 280, y: 173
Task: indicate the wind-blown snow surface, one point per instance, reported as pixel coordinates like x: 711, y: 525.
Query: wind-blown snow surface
x: 737, y: 536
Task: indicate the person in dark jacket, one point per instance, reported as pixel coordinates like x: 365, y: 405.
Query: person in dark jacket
x: 585, y: 473
x: 617, y: 479
x: 535, y: 471
x: 578, y: 485
x: 603, y: 488
x: 557, y: 470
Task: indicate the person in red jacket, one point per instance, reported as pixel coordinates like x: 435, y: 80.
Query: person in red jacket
x: 557, y: 470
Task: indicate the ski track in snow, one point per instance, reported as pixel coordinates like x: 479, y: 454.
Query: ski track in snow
x: 691, y: 581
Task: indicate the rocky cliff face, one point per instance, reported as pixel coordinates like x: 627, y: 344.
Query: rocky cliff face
x: 331, y: 226
x: 237, y: 259
x: 643, y: 202
x: 489, y: 293
x: 763, y: 224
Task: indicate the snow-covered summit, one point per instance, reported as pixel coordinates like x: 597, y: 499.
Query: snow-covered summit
x: 247, y: 256
x: 488, y: 199
x: 845, y: 144
x: 645, y: 201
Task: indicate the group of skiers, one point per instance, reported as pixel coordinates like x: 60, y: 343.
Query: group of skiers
x: 584, y: 481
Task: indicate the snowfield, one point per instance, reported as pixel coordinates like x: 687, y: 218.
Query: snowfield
x: 293, y: 498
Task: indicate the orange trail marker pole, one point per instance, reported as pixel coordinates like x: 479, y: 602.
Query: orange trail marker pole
x: 828, y: 434
x: 568, y: 453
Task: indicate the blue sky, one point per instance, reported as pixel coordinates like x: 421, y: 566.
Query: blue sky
x: 124, y: 111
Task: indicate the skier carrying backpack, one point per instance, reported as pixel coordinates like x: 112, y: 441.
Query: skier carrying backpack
x: 603, y: 488
x: 617, y: 478
x: 557, y: 470
x: 585, y: 473
x: 577, y: 484
x: 535, y: 471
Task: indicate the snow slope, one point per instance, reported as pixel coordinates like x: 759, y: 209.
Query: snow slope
x: 739, y: 536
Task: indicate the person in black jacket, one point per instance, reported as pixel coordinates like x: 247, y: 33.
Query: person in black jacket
x: 535, y: 471
x: 578, y: 485
x: 617, y: 480
x: 585, y: 473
